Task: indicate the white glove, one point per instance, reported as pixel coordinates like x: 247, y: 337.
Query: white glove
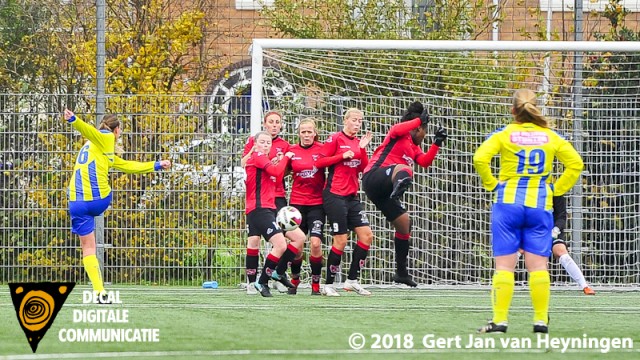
x: 555, y: 232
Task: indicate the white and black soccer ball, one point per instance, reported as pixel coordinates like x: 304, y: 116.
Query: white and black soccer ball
x: 289, y: 218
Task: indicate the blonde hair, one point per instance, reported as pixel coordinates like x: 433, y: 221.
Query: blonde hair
x: 257, y: 135
x: 351, y: 111
x: 311, y: 121
x: 525, y: 109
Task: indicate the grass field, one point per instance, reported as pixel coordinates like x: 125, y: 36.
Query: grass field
x: 198, y: 323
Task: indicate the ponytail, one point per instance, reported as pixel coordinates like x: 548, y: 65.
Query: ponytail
x: 525, y: 109
x: 109, y: 122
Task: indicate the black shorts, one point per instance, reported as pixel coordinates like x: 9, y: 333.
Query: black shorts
x: 280, y: 203
x: 344, y: 213
x: 378, y: 186
x: 560, y: 240
x: 262, y: 222
x: 313, y: 219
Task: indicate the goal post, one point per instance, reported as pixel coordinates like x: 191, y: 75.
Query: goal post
x: 589, y: 89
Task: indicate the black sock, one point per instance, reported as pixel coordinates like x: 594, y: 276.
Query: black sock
x: 357, y: 261
x: 333, y: 265
x: 286, y: 258
x: 296, y: 268
x: 269, y: 266
x: 316, y: 269
x: 401, y: 242
x: 251, y: 261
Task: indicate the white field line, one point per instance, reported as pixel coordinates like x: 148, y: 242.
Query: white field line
x: 632, y: 309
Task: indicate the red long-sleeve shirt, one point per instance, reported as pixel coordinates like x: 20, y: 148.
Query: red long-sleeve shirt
x: 343, y: 178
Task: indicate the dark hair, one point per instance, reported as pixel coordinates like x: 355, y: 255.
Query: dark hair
x: 413, y: 111
x: 109, y: 122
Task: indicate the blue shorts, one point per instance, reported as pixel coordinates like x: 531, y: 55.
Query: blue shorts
x: 83, y: 213
x: 516, y: 227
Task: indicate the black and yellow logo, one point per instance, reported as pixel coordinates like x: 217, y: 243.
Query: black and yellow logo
x: 37, y: 305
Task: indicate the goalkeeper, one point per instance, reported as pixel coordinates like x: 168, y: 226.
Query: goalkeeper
x: 560, y: 248
x: 89, y: 191
x: 390, y: 173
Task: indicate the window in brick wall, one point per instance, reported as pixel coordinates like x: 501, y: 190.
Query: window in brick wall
x: 252, y: 4
x: 587, y: 5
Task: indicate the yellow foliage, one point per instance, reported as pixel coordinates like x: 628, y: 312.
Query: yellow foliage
x: 144, y: 58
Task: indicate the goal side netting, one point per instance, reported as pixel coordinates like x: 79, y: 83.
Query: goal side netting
x: 591, y: 91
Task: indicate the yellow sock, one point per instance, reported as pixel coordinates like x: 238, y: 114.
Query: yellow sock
x: 540, y: 290
x: 92, y: 267
x: 501, y: 295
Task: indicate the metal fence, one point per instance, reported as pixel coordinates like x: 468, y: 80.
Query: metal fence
x: 187, y: 225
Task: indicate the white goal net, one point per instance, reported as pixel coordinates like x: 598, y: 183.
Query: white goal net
x: 591, y: 91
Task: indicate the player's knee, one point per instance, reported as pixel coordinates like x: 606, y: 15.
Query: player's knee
x: 366, y: 237
x: 297, y: 238
x: 253, y: 242
x: 340, y: 241
x: 316, y: 243
x: 278, y: 243
x: 402, y: 224
x: 401, y: 167
x: 558, y: 250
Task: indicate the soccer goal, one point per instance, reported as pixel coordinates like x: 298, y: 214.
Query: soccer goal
x: 590, y: 89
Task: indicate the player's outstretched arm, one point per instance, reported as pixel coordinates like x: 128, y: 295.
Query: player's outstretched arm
x: 88, y: 131
x: 137, y: 167
x: 425, y: 160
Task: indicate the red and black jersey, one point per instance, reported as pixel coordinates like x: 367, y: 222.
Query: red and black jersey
x: 260, y: 184
x: 343, y: 178
x: 278, y: 146
x: 398, y: 148
x: 308, y: 179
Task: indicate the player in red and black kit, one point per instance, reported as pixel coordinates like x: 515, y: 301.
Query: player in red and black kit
x: 390, y: 173
x: 262, y: 176
x: 346, y: 156
x: 306, y: 196
x: 272, y: 124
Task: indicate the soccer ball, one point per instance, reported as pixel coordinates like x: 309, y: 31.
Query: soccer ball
x: 288, y: 218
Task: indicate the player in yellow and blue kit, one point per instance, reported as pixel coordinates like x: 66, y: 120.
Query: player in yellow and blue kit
x: 522, y: 212
x: 89, y: 191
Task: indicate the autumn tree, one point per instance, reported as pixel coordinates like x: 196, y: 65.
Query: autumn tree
x: 157, y: 65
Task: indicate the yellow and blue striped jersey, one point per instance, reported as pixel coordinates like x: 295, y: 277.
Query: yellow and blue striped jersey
x: 89, y: 180
x: 526, y: 161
